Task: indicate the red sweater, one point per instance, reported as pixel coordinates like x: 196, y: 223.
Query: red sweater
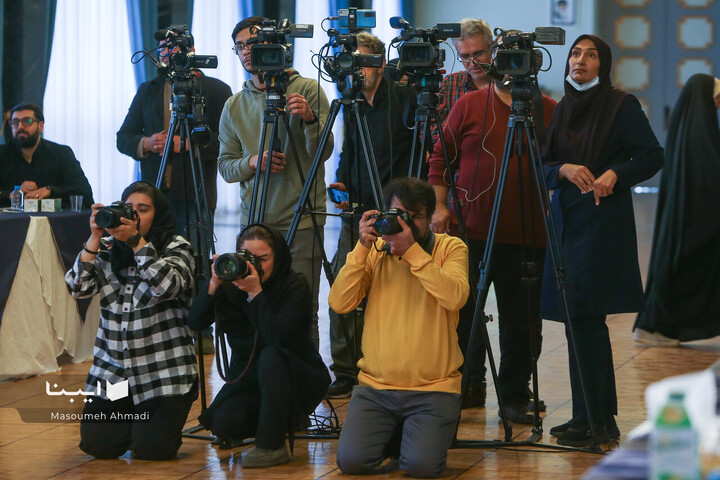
x: 479, y: 169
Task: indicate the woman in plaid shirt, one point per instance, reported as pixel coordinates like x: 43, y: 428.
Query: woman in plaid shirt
x: 144, y: 370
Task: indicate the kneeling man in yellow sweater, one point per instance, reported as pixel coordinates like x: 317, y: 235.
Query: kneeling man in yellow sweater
x: 407, y: 402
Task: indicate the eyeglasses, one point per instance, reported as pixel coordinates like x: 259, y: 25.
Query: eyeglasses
x: 464, y: 58
x: 243, y: 47
x: 26, y: 121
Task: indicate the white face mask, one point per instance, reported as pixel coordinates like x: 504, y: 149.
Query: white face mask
x: 585, y: 86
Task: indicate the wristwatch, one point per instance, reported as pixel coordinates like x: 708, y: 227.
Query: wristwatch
x: 133, y: 241
x: 314, y: 120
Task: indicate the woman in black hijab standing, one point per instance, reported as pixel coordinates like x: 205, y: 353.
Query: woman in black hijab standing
x: 275, y: 375
x: 682, y: 300
x: 600, y: 144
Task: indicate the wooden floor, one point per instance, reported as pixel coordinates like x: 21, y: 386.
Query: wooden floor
x: 35, y: 451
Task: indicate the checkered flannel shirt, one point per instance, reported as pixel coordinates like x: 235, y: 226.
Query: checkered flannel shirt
x: 453, y: 87
x: 143, y: 336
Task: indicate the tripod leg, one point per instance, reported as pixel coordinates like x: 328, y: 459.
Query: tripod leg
x: 312, y: 172
x: 166, y: 152
x: 370, y: 162
x: 416, y: 130
x: 256, y: 184
x: 274, y: 139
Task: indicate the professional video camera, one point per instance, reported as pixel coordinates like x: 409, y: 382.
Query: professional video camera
x: 516, y: 55
x: 181, y: 69
x: 425, y: 54
x: 348, y: 61
x: 110, y: 216
x: 230, y: 266
x: 181, y: 59
x: 387, y: 223
x: 271, y: 50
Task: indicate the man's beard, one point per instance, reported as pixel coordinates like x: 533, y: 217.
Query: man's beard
x: 28, y: 141
x: 371, y: 82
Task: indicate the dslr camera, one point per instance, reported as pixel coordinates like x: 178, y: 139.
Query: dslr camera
x: 109, y: 217
x: 516, y: 55
x: 184, y: 60
x: 271, y: 51
x: 387, y: 223
x: 230, y: 266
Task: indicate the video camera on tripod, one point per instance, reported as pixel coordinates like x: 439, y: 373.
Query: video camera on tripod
x: 270, y: 50
x: 517, y: 55
x: 348, y: 61
x: 182, y: 70
x: 426, y: 54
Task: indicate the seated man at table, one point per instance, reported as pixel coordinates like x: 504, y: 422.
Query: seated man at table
x: 43, y: 169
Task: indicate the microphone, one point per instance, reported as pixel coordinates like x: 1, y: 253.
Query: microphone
x: 399, y: 22
x: 164, y: 33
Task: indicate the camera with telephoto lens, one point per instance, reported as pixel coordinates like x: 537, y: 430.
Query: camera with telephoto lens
x: 516, y: 55
x: 387, y: 223
x: 184, y: 59
x: 230, y: 266
x: 270, y: 50
x: 109, y: 217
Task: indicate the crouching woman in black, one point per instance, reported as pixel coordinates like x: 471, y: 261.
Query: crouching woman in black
x: 266, y: 317
x: 144, y: 370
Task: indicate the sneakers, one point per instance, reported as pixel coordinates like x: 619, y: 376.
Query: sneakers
x: 340, y: 388
x: 475, y: 395
x: 263, y: 458
x: 656, y: 339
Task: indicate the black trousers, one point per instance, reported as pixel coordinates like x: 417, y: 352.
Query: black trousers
x: 519, y: 319
x: 264, y: 413
x: 592, y: 340
x: 158, y: 438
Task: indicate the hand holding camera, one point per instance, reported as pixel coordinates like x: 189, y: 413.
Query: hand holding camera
x: 242, y: 269
x: 366, y: 230
x: 400, y: 241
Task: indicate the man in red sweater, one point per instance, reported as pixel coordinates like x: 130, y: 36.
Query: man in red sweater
x: 475, y: 133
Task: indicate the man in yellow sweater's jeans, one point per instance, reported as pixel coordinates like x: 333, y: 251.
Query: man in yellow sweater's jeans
x: 409, y: 385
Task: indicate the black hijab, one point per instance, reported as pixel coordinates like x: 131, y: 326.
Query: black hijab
x: 582, y: 121
x: 281, y: 253
x: 683, y: 287
x: 161, y: 231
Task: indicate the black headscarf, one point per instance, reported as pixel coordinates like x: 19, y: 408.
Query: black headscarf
x: 683, y: 288
x: 582, y: 121
x: 160, y: 233
x: 281, y: 253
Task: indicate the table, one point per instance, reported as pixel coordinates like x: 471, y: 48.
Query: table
x: 40, y: 320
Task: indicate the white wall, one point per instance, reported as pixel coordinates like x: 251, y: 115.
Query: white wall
x: 523, y: 15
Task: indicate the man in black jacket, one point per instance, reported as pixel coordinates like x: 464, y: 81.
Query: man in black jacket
x: 143, y: 134
x: 390, y: 113
x: 43, y: 169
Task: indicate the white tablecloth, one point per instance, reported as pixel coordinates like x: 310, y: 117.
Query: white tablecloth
x: 41, y: 319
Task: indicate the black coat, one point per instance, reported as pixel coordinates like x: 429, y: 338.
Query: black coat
x: 52, y: 165
x: 598, y: 243
x: 280, y: 317
x: 683, y: 282
x: 145, y: 117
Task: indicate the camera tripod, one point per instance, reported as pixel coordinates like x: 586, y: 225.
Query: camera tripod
x: 426, y: 114
x: 353, y: 98
x: 182, y: 107
x: 521, y: 127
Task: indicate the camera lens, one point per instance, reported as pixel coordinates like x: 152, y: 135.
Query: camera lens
x: 387, y: 225
x: 345, y: 60
x: 107, y: 218
x: 230, y: 266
